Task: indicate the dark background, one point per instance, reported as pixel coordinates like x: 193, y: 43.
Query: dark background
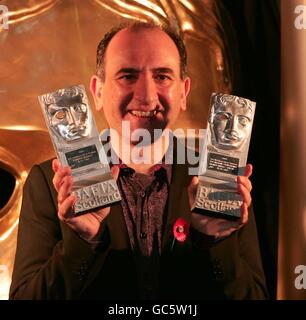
x: 253, y: 40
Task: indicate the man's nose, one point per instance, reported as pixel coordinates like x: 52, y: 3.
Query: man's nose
x: 145, y: 91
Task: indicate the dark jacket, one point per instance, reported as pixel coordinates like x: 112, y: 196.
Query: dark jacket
x: 52, y: 262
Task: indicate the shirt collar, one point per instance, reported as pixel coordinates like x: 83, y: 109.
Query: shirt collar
x: 154, y: 170
x: 159, y: 166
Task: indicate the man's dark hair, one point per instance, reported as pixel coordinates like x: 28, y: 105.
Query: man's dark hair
x: 137, y: 26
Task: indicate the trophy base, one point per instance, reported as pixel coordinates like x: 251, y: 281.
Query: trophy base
x: 216, y: 214
x: 96, y: 196
x: 217, y: 198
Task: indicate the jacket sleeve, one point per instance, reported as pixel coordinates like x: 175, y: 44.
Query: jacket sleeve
x: 236, y: 263
x: 51, y: 261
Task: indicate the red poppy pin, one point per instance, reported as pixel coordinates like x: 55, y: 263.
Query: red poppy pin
x: 180, y: 231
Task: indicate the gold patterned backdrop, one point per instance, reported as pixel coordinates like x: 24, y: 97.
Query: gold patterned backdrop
x: 51, y: 44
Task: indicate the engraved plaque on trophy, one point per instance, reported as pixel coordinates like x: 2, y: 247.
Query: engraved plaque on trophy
x: 224, y: 156
x: 75, y: 138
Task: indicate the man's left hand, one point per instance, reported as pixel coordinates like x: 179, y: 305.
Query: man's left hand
x: 220, y: 228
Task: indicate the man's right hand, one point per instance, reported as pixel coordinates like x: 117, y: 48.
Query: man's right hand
x: 86, y: 225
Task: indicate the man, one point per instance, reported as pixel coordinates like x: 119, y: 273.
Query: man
x: 129, y: 250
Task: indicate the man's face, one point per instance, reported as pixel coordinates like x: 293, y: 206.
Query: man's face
x: 142, y: 81
x: 231, y: 125
x: 70, y: 122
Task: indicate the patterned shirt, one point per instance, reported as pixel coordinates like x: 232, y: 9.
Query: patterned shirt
x: 144, y: 201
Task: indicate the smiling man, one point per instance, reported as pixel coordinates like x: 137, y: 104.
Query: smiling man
x: 140, y: 82
x: 129, y: 250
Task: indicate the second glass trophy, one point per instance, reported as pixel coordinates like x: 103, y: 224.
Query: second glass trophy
x: 224, y: 156
x: 76, y: 141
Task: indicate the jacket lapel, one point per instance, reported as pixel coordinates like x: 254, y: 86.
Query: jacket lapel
x: 117, y: 228
x: 178, y: 202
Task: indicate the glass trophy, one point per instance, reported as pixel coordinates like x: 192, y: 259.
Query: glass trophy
x: 224, y: 156
x: 75, y: 138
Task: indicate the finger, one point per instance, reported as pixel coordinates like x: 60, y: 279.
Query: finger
x: 193, y: 184
x: 115, y: 171
x: 244, y: 214
x: 65, y: 189
x: 192, y: 191
x: 215, y: 226
x: 245, y: 194
x: 59, y: 175
x: 199, y: 221
x: 225, y: 233
x: 229, y: 227
x: 245, y: 181
x: 102, y: 214
x: 195, y: 181
x: 65, y: 210
x: 248, y: 170
x: 55, y: 165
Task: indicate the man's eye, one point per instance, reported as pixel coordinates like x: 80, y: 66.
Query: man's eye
x: 128, y: 77
x: 162, y: 77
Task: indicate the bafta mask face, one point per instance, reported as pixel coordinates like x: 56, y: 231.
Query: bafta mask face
x: 230, y: 122
x: 69, y: 119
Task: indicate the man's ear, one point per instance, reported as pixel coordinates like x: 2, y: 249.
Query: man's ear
x: 96, y: 89
x: 185, y: 92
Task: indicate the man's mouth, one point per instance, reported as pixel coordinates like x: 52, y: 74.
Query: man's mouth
x: 143, y: 114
